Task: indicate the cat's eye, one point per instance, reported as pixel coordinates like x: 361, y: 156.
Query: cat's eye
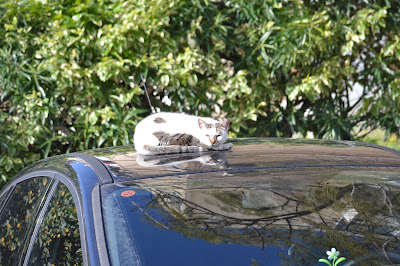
x: 207, y: 135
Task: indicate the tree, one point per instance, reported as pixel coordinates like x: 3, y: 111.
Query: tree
x: 70, y: 70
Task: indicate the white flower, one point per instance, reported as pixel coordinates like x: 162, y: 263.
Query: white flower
x: 332, y: 254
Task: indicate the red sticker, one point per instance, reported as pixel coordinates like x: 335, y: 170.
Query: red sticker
x: 128, y: 193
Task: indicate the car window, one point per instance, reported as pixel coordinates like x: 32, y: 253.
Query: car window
x: 18, y: 216
x: 58, y: 241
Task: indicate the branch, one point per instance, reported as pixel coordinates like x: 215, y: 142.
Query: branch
x: 148, y: 215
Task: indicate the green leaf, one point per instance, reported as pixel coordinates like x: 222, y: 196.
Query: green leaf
x: 93, y: 118
x: 265, y: 36
x: 339, y: 261
x: 325, y: 261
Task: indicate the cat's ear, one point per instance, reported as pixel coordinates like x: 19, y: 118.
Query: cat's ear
x: 225, y: 124
x: 202, y: 124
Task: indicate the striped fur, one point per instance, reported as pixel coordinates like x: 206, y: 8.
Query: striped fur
x: 181, y: 139
x: 172, y: 149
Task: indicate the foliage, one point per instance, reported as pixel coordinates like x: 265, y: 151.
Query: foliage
x: 379, y: 137
x: 70, y: 70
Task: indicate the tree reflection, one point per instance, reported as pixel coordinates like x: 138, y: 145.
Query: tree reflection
x: 18, y: 216
x: 359, y: 219
x: 58, y: 241
x: 267, y: 208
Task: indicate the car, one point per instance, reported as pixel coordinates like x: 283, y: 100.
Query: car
x: 267, y: 201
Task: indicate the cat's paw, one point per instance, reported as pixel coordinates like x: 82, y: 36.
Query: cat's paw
x: 224, y: 147
x: 227, y: 146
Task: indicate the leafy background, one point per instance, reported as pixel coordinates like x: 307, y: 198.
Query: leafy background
x: 70, y: 70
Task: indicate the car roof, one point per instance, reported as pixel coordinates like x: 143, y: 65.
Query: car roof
x: 251, y: 154
x: 281, y: 188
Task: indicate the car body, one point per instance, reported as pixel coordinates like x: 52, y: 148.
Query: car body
x: 265, y: 201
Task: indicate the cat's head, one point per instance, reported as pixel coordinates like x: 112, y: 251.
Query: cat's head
x: 213, y: 134
x: 214, y: 159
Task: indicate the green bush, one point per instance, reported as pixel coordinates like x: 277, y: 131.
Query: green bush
x: 70, y: 70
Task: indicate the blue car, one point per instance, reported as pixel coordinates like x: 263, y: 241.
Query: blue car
x: 267, y: 201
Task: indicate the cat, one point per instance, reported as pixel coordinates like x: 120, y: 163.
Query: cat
x: 166, y: 133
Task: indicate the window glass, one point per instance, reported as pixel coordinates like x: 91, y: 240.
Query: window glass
x: 58, y: 241
x: 18, y: 216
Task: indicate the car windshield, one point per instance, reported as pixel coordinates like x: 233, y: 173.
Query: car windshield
x: 260, y: 216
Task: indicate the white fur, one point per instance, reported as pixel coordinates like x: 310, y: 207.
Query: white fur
x: 177, y: 123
